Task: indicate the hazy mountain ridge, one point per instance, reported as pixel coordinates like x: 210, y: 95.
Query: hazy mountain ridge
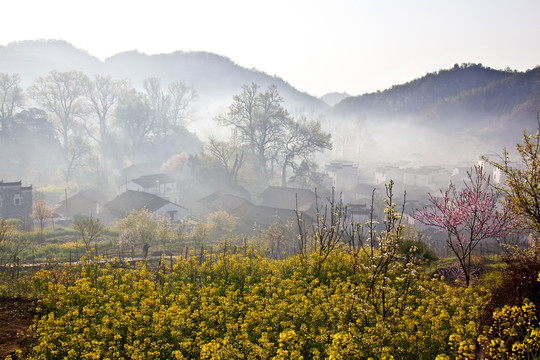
x: 441, y: 95
x: 469, y: 89
x: 447, y: 116
x: 215, y: 77
x: 468, y: 108
x: 31, y: 59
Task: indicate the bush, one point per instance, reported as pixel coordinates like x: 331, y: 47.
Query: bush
x: 520, y: 287
x: 418, y: 249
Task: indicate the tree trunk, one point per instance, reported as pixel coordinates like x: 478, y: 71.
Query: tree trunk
x: 284, y: 174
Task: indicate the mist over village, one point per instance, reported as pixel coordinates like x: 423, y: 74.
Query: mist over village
x: 179, y: 205
x: 189, y: 126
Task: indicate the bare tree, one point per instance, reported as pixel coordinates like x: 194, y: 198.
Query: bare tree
x: 181, y: 96
x: 89, y: 228
x: 169, y: 110
x: 79, y: 152
x: 42, y: 212
x: 158, y: 104
x: 300, y: 141
x: 259, y: 119
x: 229, y: 156
x: 61, y: 94
x: 103, y: 93
x: 133, y: 116
x: 11, y: 98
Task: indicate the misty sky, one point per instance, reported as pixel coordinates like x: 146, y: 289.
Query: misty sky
x: 317, y: 46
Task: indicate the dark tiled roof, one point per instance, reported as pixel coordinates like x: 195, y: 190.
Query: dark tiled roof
x: 131, y: 200
x: 264, y: 216
x: 150, y: 180
x: 225, y: 202
x: 2, y: 183
x: 87, y: 195
x: 92, y: 194
x: 286, y: 198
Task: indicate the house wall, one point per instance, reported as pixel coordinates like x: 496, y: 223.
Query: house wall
x: 176, y: 211
x: 78, y: 205
x: 166, y: 191
x: 134, y: 187
x: 15, y: 200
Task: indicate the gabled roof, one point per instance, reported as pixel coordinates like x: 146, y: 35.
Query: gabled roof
x: 15, y: 183
x: 227, y: 202
x: 286, y: 198
x: 135, y: 200
x: 264, y: 216
x: 136, y: 170
x: 148, y: 181
x: 89, y: 194
x: 2, y: 183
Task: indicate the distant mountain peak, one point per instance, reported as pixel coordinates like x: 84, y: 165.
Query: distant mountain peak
x: 334, y: 97
x: 32, y: 46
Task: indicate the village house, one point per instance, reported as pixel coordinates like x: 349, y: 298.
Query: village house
x: 135, y: 171
x: 288, y: 198
x: 130, y: 200
x: 432, y: 177
x: 85, y: 202
x: 345, y: 175
x: 15, y: 200
x: 254, y: 218
x: 161, y: 185
x: 497, y: 176
x: 217, y: 201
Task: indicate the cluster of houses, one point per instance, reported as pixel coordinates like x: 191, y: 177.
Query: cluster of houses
x: 356, y: 180
x: 159, y: 193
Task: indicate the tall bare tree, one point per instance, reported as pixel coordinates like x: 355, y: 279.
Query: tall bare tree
x: 229, y: 156
x: 259, y: 119
x: 103, y: 93
x: 169, y: 109
x: 301, y: 140
x: 62, y: 95
x: 181, y: 97
x: 133, y: 117
x: 79, y: 153
x: 158, y: 104
x: 11, y: 97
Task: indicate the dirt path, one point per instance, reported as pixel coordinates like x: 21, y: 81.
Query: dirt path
x: 15, y: 316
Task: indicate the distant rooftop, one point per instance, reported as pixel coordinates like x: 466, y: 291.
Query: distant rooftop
x: 147, y: 181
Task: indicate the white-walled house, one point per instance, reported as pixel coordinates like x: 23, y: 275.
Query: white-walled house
x: 344, y: 175
x: 158, y: 184
x: 433, y: 177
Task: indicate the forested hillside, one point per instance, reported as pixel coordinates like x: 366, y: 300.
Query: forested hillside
x: 456, y: 93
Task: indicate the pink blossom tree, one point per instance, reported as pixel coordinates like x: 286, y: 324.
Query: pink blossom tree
x: 468, y: 215
x: 175, y: 164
